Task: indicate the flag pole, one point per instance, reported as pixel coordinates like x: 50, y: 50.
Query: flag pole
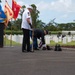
x: 32, y: 40
x: 11, y: 36
x: 9, y: 14
x: 5, y: 36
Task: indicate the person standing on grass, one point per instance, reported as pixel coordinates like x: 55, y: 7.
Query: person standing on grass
x: 26, y: 27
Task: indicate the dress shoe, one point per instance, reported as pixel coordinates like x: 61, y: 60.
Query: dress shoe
x: 1, y: 46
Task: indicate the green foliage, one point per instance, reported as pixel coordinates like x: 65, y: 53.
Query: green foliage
x: 50, y: 28
x: 16, y: 24
x: 34, y: 15
x: 66, y: 26
x: 60, y: 27
x: 20, y: 32
x: 13, y: 32
x: 55, y: 32
x: 40, y: 24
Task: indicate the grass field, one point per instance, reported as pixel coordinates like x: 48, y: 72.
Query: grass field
x: 52, y: 43
x: 10, y: 43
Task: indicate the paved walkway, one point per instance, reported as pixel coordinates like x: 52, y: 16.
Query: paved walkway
x: 14, y: 62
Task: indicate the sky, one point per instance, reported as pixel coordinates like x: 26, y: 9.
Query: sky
x: 62, y: 10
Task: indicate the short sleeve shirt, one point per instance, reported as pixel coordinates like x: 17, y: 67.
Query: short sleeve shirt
x: 25, y: 24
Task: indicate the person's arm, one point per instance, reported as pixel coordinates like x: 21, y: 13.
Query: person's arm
x: 28, y: 17
x: 28, y: 20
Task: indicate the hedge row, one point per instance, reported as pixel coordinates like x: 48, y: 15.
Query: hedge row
x: 20, y: 32
x: 13, y: 32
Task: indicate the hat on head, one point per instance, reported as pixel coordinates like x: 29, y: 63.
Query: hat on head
x: 30, y: 7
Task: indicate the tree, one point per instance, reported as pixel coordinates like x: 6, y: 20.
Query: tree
x: 40, y: 24
x: 34, y: 15
x: 50, y: 28
x: 16, y: 24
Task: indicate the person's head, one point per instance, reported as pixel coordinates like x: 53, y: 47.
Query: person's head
x: 30, y: 8
x: 45, y: 32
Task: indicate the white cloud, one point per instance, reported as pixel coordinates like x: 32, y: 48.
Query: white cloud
x: 61, y: 9
x: 64, y: 16
x: 42, y: 6
x: 20, y: 3
x: 56, y: 5
x: 59, y: 5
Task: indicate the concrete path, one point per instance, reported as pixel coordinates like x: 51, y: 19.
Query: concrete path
x: 14, y: 62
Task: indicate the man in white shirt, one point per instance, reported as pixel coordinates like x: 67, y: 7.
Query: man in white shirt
x: 26, y: 27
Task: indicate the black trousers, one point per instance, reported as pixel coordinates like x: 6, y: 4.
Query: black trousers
x: 1, y: 34
x: 26, y: 40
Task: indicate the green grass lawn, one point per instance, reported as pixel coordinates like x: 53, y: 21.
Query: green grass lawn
x: 10, y: 43
x: 52, y: 43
